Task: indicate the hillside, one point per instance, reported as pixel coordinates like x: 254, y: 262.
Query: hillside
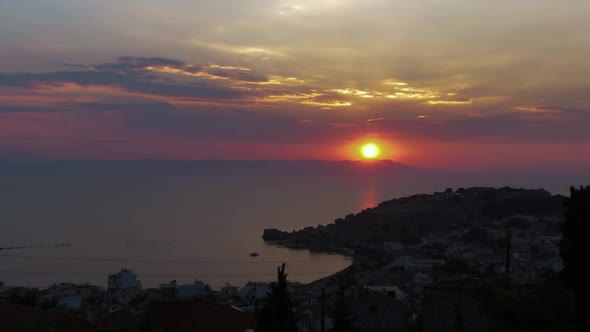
x: 407, y: 219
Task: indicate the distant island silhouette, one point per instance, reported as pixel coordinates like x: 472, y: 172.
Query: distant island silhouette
x: 212, y: 167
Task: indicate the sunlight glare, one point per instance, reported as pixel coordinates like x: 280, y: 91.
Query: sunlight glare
x: 370, y: 151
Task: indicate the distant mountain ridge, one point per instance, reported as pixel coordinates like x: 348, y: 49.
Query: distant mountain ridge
x: 212, y: 167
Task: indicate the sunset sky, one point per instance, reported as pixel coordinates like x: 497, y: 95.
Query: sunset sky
x: 460, y: 84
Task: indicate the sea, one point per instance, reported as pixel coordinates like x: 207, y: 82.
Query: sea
x: 81, y: 228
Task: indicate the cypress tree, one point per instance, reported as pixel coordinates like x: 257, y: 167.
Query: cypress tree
x: 277, y: 312
x: 574, y: 245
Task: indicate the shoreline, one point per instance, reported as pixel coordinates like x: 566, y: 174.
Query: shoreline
x: 41, y: 271
x: 346, y: 253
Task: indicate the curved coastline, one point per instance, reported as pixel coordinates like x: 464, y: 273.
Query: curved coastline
x: 282, y: 239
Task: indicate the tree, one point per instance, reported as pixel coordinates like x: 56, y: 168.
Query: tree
x: 342, y: 315
x: 574, y: 244
x: 23, y: 296
x: 277, y: 312
x: 540, y: 305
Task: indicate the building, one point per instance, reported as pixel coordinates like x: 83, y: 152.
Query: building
x: 20, y: 318
x: 451, y: 307
x: 3, y: 292
x: 70, y: 303
x: 125, y: 280
x: 392, y: 291
x: 419, y: 280
x: 229, y: 291
x: 375, y: 312
x: 309, y: 318
x: 198, y: 315
x: 85, y: 291
x: 168, y: 291
x: 411, y: 263
x: 196, y: 289
x: 393, y: 246
x: 253, y: 291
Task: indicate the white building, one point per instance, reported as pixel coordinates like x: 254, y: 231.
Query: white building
x: 196, y: 289
x: 123, y: 281
x: 255, y: 290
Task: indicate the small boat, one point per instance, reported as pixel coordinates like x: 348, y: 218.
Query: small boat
x: 254, y: 254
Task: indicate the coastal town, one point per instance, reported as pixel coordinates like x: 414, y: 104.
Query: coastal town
x: 410, y: 272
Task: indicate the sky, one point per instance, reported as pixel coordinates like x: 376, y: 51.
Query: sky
x: 456, y: 84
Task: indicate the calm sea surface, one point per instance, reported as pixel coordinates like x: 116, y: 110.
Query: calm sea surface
x: 194, y: 227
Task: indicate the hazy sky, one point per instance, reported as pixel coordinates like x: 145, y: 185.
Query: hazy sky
x: 438, y: 83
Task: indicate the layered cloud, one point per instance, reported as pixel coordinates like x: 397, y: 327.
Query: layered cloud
x: 169, y: 78
x: 163, y: 97
x: 291, y: 79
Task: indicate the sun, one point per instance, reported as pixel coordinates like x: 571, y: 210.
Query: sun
x: 370, y: 151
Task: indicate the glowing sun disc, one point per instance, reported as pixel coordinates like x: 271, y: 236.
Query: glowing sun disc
x: 370, y: 151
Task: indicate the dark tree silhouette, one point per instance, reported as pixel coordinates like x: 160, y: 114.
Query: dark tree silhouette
x: 574, y: 244
x: 277, y: 312
x: 459, y: 325
x: 342, y: 315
